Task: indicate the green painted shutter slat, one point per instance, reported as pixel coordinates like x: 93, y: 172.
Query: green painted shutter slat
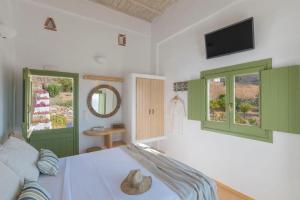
x: 294, y: 99
x: 274, y: 99
x: 202, y: 99
x: 266, y: 100
x: 196, y: 100
x: 280, y: 99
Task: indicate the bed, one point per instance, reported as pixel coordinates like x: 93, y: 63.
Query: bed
x: 98, y: 175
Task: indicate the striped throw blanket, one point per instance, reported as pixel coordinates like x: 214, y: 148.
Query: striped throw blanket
x: 188, y: 183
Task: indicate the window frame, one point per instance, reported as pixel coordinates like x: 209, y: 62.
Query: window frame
x: 229, y: 127
x: 218, y: 125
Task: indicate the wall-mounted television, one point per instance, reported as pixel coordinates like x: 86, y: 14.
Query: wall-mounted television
x: 231, y: 39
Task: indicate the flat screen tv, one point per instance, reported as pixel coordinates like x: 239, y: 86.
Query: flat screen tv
x: 232, y: 39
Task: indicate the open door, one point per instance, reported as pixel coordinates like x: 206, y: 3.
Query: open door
x: 50, y: 110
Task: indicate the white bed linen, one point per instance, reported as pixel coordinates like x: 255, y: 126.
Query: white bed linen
x: 54, y: 184
x: 98, y: 176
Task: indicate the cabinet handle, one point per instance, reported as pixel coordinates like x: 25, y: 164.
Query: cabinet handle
x: 149, y: 111
x: 152, y: 111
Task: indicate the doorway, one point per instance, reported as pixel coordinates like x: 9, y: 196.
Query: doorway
x: 50, y: 110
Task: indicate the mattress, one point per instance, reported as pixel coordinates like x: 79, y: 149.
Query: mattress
x: 98, y: 175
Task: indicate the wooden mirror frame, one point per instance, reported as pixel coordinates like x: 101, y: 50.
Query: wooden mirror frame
x: 89, y: 101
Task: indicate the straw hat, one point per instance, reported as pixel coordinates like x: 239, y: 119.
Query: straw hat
x: 136, y: 183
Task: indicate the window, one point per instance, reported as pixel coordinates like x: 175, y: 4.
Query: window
x: 247, y: 99
x: 233, y: 100
x: 217, y: 94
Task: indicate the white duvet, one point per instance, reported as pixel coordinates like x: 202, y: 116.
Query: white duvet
x: 98, y: 176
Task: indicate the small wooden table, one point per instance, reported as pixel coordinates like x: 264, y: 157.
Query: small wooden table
x: 107, y: 133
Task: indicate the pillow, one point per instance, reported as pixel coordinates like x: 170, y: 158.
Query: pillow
x: 20, y: 157
x: 48, y: 162
x: 9, y: 183
x: 32, y: 190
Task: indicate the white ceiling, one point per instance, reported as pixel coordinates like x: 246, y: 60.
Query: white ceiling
x: 144, y: 9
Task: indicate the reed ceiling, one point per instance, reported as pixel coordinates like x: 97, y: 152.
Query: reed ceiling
x: 144, y: 9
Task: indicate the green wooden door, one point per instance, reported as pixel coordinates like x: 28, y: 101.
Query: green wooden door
x: 50, y: 115
x: 280, y: 99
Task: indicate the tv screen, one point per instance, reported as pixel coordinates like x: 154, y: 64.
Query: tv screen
x: 234, y: 38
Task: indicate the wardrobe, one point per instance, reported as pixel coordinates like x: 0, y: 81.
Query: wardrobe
x: 146, y: 107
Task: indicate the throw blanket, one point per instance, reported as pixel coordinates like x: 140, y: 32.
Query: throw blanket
x: 188, y: 183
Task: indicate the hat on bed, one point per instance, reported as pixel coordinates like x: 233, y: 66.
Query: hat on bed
x: 136, y: 183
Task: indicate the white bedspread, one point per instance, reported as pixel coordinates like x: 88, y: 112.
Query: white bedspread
x: 98, y: 176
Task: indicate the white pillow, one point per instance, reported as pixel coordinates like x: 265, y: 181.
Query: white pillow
x: 10, y: 183
x: 21, y: 158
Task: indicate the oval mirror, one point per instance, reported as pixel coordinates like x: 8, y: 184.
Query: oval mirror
x: 104, y: 101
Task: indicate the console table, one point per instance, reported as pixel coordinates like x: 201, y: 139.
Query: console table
x: 107, y: 133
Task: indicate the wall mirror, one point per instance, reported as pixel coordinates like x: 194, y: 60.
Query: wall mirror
x: 104, y: 101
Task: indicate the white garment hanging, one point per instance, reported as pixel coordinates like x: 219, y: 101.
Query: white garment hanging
x: 177, y: 115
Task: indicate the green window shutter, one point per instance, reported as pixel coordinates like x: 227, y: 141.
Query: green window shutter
x: 196, y: 100
x: 280, y: 99
x: 274, y: 102
x: 294, y: 99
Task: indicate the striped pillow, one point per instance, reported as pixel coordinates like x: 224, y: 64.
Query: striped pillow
x: 33, y: 191
x: 48, y: 162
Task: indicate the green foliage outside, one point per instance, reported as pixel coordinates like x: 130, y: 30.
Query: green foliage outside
x: 53, y: 90
x: 253, y: 101
x: 58, y: 121
x: 214, y: 104
x: 217, y: 107
x: 240, y: 120
x: 68, y: 103
x: 61, y: 102
x: 245, y: 107
x: 66, y: 85
x: 218, y: 103
x: 222, y: 102
x: 252, y: 121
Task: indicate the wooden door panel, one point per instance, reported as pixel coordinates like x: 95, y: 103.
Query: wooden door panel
x: 61, y: 142
x: 157, y: 108
x: 143, y: 94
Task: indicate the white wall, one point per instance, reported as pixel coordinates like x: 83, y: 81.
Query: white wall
x: 6, y: 72
x: 183, y: 14
x: 73, y: 48
x: 180, y: 17
x: 262, y: 170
